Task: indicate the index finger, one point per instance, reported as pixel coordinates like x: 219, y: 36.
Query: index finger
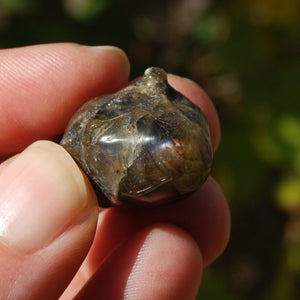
x: 42, y: 86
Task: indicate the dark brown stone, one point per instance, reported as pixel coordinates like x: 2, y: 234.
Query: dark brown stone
x: 144, y: 145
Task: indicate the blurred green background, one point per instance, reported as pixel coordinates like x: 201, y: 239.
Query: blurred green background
x: 246, y: 55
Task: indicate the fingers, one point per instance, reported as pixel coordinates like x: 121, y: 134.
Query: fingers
x: 48, y: 214
x: 158, y: 262
x: 50, y: 225
x: 42, y: 86
x: 205, y: 215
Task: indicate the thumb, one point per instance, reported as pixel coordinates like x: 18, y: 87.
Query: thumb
x: 48, y: 216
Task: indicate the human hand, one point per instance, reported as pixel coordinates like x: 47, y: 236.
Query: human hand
x: 54, y: 240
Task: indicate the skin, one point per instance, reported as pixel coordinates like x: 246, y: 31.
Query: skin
x: 54, y: 240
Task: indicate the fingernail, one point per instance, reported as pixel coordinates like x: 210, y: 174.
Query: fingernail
x: 117, y: 51
x: 43, y: 193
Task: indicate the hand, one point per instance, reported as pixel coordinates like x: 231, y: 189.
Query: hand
x: 54, y: 240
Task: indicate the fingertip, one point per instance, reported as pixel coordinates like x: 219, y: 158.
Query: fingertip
x: 43, y: 193
x: 48, y: 217
x: 61, y: 166
x: 42, y: 86
x: 115, y: 51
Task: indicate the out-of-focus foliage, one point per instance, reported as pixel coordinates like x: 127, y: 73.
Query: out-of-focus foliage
x: 246, y: 55
x: 85, y: 10
x: 16, y: 6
